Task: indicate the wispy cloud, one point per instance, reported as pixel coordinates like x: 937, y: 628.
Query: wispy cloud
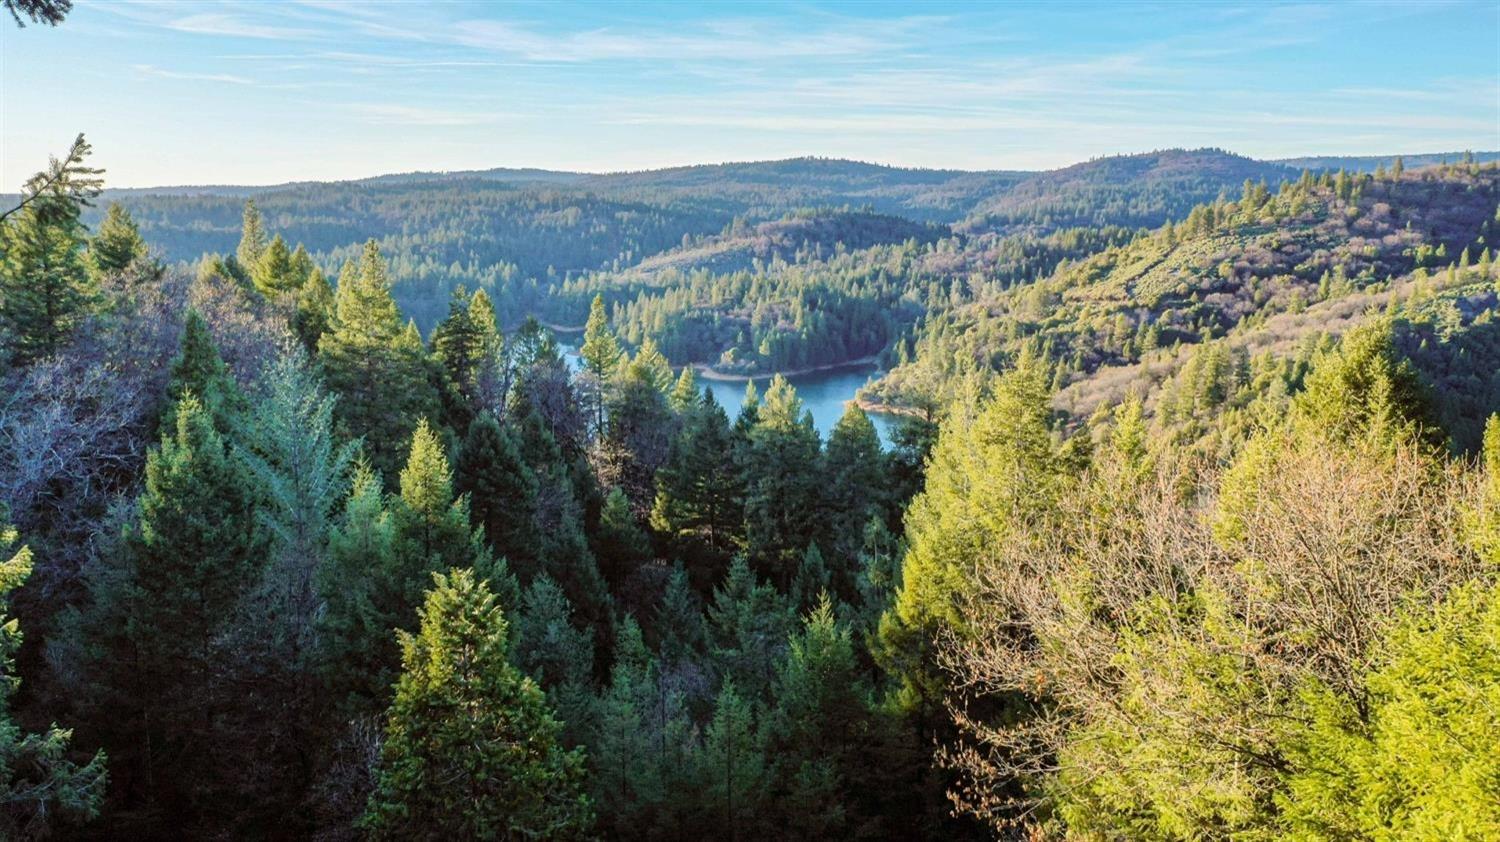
x: 236, y: 27
x: 409, y: 115
x: 159, y: 73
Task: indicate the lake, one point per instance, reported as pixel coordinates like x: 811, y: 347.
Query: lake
x: 823, y: 393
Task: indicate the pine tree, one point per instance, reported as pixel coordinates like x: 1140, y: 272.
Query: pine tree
x: 198, y: 370
x: 601, y: 356
x: 353, y: 633
x: 557, y: 654
x: 994, y: 466
x: 638, y: 433
x: 471, y: 750
x: 432, y: 530
x: 653, y: 366
x: 463, y: 343
x: 40, y: 788
x: 699, y: 501
x: 854, y: 474
x: 502, y: 492
x: 750, y: 621
x: 369, y: 360
x: 781, y: 483
x: 811, y: 584
x: 733, y: 765
x: 302, y: 476
x: 274, y: 274
x: 625, y: 782
x: 118, y: 243
x: 157, y: 624
x: 600, y: 351
x: 680, y: 631
x: 252, y: 238
x: 622, y: 545
x: 1364, y: 387
x: 314, y: 300
x: 819, y: 726
x: 45, y: 289
x: 684, y: 396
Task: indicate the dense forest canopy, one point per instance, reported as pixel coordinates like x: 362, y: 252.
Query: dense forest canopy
x: 1187, y: 529
x: 1188, y: 526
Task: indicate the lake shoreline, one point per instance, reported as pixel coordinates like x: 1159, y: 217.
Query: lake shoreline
x: 708, y: 372
x: 881, y: 408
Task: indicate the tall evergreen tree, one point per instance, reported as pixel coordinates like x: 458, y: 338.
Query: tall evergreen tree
x: 432, y: 531
x: 463, y: 344
x: 750, y: 622
x: 818, y: 728
x: 700, y: 498
x: 781, y: 483
x: 471, y: 750
x: 369, y: 360
x: 854, y: 472
x: 274, y: 274
x: 117, y: 244
x: 732, y: 767
x: 601, y: 356
x: 45, y: 288
x: 253, y: 241
x: 353, y: 632
x: 315, y: 305
x: 502, y: 492
x: 994, y: 466
x: 198, y: 370
x: 621, y: 545
x: 156, y: 626
x: 553, y: 650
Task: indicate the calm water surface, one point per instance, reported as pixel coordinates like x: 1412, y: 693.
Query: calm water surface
x: 823, y: 393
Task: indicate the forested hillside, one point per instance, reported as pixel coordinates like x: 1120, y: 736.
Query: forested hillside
x: 1201, y: 308
x: 1192, y: 532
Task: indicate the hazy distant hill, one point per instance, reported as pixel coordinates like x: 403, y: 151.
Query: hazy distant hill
x: 793, y: 238
x: 1137, y: 190
x: 523, y: 233
x: 1368, y: 163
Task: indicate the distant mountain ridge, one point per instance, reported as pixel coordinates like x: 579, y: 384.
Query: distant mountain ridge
x: 1368, y: 163
x: 786, y: 170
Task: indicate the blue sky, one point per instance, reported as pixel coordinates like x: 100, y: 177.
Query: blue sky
x: 265, y: 91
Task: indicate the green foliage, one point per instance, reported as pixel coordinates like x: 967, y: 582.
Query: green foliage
x: 274, y: 274
x: 781, y: 483
x: 375, y: 365
x: 819, y: 729
x: 750, y: 621
x: 253, y: 238
x: 41, y: 788
x: 464, y: 343
x: 994, y: 469
x: 45, y: 288
x: 198, y: 370
x: 854, y: 472
x: 156, y: 628
x: 1365, y: 388
x: 502, y: 491
x: 559, y: 656
x: 471, y: 750
x: 1417, y: 757
x: 117, y: 244
x: 733, y: 764
x: 600, y: 351
x: 353, y: 632
x: 699, y: 502
x: 622, y: 544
